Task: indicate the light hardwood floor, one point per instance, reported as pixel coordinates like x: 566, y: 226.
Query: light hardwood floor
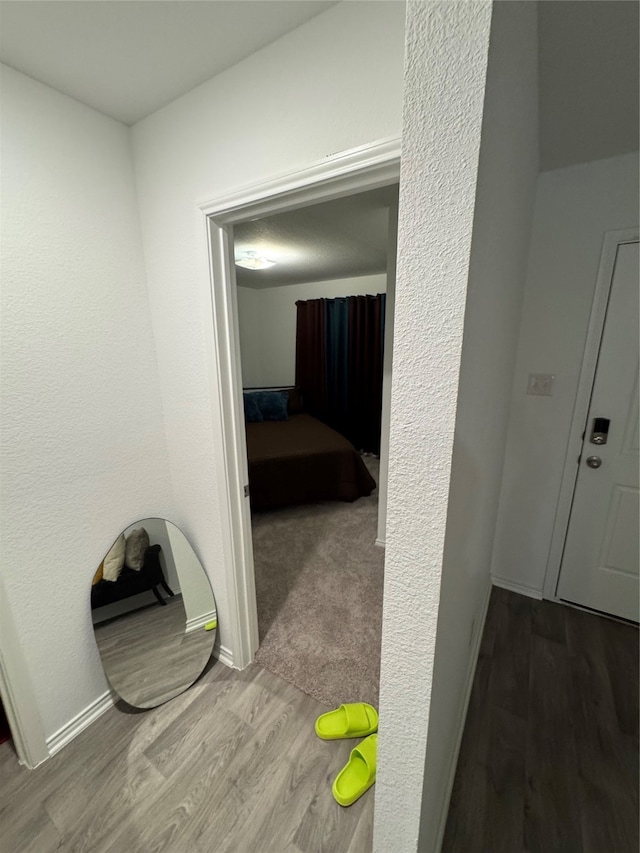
x: 549, y: 759
x: 147, y: 656
x: 231, y: 766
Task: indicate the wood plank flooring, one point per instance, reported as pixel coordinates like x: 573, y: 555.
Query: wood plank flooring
x: 548, y: 764
x: 549, y: 758
x: 147, y: 656
x: 231, y: 765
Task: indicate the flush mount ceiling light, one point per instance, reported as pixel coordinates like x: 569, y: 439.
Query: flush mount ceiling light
x: 253, y: 261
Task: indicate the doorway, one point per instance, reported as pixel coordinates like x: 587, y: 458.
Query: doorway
x: 315, y: 296
x: 599, y: 566
x: 368, y: 168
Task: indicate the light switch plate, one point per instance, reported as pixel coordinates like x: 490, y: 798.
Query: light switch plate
x: 541, y: 384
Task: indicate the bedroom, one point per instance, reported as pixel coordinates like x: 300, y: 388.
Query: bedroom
x: 314, y: 303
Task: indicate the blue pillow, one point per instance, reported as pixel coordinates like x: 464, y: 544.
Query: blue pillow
x: 273, y: 405
x: 252, y: 413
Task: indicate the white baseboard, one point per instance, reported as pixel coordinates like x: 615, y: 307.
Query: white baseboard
x: 80, y: 722
x: 224, y: 655
x: 381, y: 543
x: 108, y: 699
x: 516, y: 587
x: 471, y: 671
x: 200, y: 621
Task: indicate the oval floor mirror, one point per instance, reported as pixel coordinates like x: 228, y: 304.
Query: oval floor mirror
x: 153, y: 612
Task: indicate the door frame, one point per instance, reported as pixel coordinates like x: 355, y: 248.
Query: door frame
x: 612, y: 240
x: 16, y: 692
x: 356, y: 170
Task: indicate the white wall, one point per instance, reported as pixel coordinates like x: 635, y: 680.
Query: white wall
x: 157, y: 530
x: 83, y: 446
x: 501, y: 232
x: 589, y: 95
x: 194, y: 584
x: 575, y: 206
x: 250, y: 334
x: 387, y: 372
x: 267, y: 320
x: 330, y: 85
x: 444, y: 92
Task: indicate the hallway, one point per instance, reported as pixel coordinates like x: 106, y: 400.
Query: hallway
x: 549, y: 758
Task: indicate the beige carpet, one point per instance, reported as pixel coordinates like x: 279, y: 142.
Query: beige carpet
x: 319, y: 584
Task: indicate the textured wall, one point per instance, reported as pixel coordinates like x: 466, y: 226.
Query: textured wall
x: 447, y: 46
x: 505, y: 198
x: 330, y: 85
x: 268, y: 324
x: 83, y: 447
x: 575, y: 206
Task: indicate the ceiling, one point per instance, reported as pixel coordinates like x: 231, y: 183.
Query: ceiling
x: 588, y: 80
x: 343, y: 238
x: 127, y: 59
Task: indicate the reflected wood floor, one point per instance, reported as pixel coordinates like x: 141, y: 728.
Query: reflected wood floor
x: 549, y: 757
x: 231, y: 766
x: 147, y: 656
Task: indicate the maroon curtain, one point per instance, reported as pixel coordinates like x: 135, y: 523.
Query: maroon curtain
x: 311, y: 355
x: 339, y: 354
x: 366, y: 347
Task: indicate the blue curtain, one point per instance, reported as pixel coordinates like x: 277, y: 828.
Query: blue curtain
x: 336, y: 361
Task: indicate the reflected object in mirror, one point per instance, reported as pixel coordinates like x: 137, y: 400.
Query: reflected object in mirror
x: 154, y: 614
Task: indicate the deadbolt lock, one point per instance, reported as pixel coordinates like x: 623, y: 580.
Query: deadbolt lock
x: 600, y: 431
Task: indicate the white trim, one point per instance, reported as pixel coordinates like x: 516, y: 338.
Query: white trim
x: 80, y: 722
x: 200, y: 621
x: 230, y: 445
x: 26, y: 734
x: 342, y: 174
x: 381, y: 543
x: 612, y: 239
x: 471, y: 673
x: 108, y: 699
x: 521, y: 589
x: 18, y: 696
x: 225, y: 656
x: 345, y: 173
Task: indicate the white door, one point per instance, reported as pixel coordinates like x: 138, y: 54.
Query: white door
x: 601, y: 554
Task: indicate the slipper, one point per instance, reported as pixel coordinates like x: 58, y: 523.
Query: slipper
x: 358, y: 774
x: 356, y: 719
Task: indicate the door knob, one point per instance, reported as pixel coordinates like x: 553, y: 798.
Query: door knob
x: 594, y: 461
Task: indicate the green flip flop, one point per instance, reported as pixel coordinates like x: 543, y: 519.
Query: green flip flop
x: 356, y: 719
x: 358, y: 774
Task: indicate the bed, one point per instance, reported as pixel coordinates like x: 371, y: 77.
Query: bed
x: 301, y: 460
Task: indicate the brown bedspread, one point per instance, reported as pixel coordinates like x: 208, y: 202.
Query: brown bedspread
x: 301, y: 461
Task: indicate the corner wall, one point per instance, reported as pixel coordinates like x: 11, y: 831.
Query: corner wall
x: 575, y: 206
x: 387, y: 372
x: 445, y: 72
x: 504, y: 207
x: 83, y: 445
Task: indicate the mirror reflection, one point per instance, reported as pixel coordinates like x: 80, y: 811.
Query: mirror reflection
x: 153, y: 612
